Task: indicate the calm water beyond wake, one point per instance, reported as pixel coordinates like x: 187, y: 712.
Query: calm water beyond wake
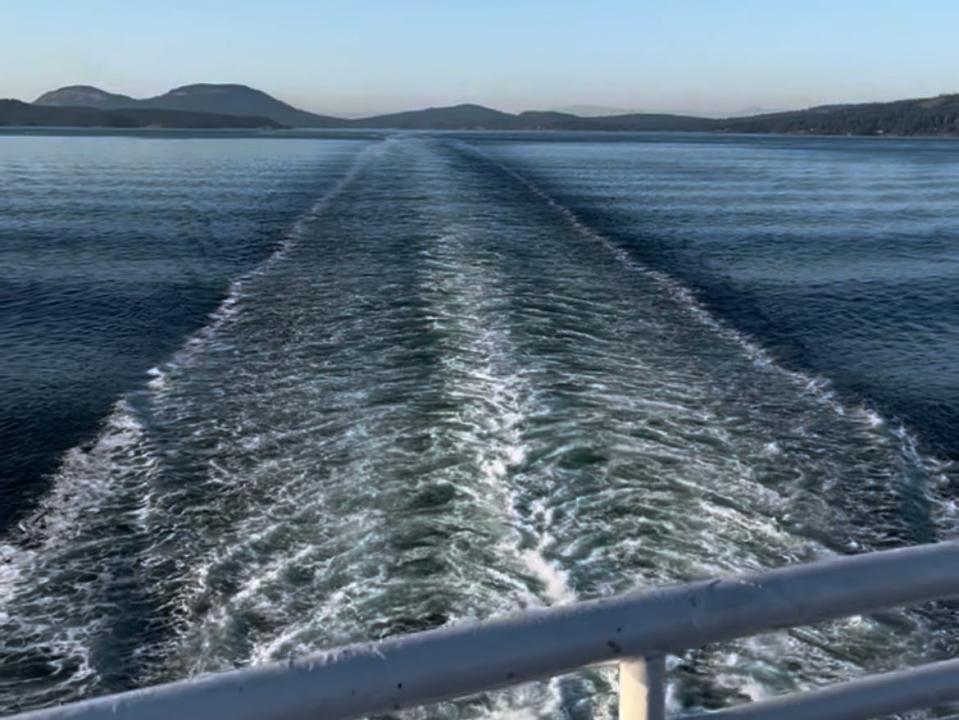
x: 261, y: 396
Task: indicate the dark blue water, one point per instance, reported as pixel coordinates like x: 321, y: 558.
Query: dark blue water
x: 264, y: 396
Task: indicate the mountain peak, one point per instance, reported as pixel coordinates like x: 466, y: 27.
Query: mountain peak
x: 84, y: 96
x: 236, y: 99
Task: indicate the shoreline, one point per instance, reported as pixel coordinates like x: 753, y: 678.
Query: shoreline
x: 365, y: 132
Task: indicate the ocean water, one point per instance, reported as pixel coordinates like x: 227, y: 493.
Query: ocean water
x: 264, y: 396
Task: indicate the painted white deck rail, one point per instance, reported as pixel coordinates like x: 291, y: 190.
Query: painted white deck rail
x: 635, y: 630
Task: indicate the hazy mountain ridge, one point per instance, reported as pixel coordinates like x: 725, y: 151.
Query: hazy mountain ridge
x: 922, y: 116
x: 590, y: 110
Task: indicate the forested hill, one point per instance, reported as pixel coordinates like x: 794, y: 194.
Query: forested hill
x: 219, y: 99
x: 925, y: 116
x: 20, y: 114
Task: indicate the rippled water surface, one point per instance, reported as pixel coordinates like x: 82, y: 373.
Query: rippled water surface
x: 263, y: 396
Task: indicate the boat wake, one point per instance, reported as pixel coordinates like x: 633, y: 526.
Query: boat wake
x: 443, y: 398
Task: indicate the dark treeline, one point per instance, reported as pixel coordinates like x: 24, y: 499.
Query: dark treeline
x: 20, y: 114
x: 928, y: 116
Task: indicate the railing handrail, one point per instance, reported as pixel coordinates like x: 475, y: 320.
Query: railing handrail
x: 869, y: 697
x: 463, y: 660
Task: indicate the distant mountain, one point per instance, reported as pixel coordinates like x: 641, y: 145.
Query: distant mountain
x: 638, y: 122
x: 587, y: 110
x: 84, y: 96
x: 457, y: 117
x: 21, y: 114
x: 237, y: 100
x: 750, y: 111
x: 206, y: 98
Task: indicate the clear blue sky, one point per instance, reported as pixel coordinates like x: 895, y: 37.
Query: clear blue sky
x: 357, y: 56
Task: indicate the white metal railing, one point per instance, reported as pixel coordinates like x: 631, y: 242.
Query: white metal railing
x: 870, y: 697
x: 628, y: 629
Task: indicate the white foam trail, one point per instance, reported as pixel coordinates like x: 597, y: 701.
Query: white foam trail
x: 481, y: 371
x: 84, y: 480
x: 87, y: 481
x: 556, y: 581
x: 11, y: 562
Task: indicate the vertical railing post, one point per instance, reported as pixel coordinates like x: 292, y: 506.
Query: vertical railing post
x: 642, y: 689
